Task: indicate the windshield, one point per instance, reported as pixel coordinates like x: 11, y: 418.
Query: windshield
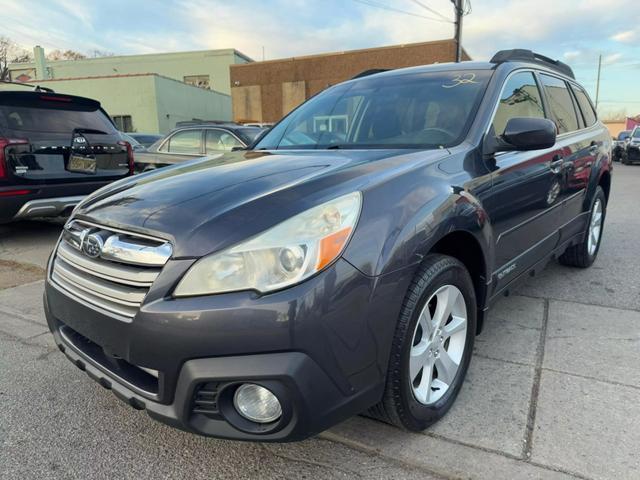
x: 249, y: 134
x: 636, y: 133
x: 623, y: 135
x: 422, y: 110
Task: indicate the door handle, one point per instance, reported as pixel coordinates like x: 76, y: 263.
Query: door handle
x: 556, y: 164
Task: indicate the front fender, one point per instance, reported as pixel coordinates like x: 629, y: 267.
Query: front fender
x: 407, y: 227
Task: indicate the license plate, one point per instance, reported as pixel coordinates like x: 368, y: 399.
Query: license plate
x: 82, y: 164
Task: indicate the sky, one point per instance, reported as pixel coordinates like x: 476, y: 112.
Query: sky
x: 575, y: 31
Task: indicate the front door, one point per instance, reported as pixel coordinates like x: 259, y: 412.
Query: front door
x: 523, y: 205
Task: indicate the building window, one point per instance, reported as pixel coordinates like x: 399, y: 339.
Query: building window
x: 201, y: 81
x: 123, y: 123
x: 331, y: 123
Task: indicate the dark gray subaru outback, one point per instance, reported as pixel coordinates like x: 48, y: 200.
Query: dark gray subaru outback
x: 345, y: 262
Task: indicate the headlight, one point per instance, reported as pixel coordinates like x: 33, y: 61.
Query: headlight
x: 279, y: 257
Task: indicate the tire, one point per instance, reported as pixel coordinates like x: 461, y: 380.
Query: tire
x: 624, y: 159
x: 584, y: 254
x: 400, y: 405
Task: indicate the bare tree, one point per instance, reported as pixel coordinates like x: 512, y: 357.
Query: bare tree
x: 66, y: 55
x: 95, y: 53
x: 10, y: 53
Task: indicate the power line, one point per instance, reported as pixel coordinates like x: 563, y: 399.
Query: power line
x: 426, y: 7
x: 372, y: 3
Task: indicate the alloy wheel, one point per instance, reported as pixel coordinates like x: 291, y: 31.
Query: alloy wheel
x: 595, y: 227
x: 438, y: 344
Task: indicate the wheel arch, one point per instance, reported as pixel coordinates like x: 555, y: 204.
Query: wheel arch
x: 465, y: 247
x: 605, y: 183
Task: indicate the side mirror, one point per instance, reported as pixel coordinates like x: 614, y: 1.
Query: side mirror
x: 527, y: 133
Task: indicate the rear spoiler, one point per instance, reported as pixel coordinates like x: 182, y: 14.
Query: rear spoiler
x: 48, y: 99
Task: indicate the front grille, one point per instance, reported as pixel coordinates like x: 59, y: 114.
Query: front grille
x: 633, y: 153
x: 205, y: 400
x: 107, y: 269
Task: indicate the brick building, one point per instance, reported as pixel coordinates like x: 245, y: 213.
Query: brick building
x: 266, y: 91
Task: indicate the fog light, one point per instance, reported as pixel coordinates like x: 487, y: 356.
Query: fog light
x: 257, y: 404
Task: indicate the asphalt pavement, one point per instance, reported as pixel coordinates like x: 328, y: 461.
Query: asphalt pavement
x: 553, y: 390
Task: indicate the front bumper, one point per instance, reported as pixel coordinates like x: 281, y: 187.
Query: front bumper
x: 321, y: 346
x: 633, y: 153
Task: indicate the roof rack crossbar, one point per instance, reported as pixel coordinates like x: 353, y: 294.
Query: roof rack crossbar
x: 523, y: 55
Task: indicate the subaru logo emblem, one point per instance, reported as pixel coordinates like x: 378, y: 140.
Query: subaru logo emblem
x: 92, y: 245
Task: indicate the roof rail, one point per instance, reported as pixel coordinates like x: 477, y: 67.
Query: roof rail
x: 195, y: 121
x: 522, y: 55
x: 371, y: 71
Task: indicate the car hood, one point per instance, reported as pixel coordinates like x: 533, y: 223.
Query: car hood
x: 210, y: 203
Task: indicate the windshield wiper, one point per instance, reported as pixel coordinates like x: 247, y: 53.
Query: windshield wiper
x: 90, y: 131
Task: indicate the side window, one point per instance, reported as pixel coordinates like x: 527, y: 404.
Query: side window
x: 576, y: 109
x: 186, y: 141
x: 219, y: 140
x: 520, y: 98
x: 585, y: 105
x: 560, y: 104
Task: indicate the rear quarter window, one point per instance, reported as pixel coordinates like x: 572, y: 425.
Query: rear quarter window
x: 585, y: 105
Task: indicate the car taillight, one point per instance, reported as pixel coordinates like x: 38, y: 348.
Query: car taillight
x: 129, y: 155
x: 4, y: 144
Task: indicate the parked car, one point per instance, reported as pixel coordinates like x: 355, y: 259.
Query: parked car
x: 54, y: 150
x: 135, y: 145
x: 619, y: 145
x: 343, y: 264
x: 631, y: 152
x: 195, y: 140
x: 145, y: 139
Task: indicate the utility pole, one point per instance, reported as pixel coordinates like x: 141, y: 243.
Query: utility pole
x: 457, y: 4
x: 598, y: 81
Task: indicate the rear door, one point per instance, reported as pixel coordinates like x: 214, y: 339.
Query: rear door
x: 179, y: 146
x: 49, y: 134
x: 523, y: 203
x: 579, y: 148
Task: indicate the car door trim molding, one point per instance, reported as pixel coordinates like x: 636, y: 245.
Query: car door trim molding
x: 537, y: 215
x: 559, y: 230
